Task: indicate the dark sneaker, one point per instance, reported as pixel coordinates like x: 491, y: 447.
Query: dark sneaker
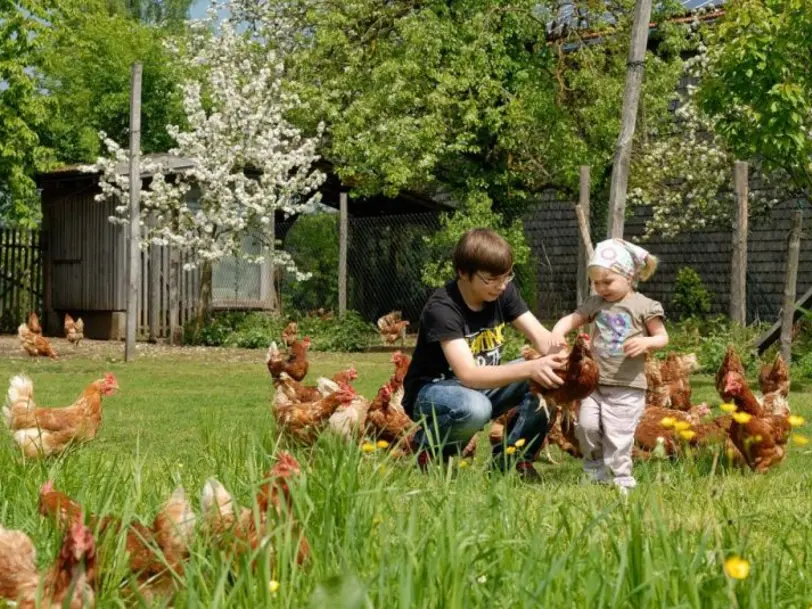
x: 527, y: 472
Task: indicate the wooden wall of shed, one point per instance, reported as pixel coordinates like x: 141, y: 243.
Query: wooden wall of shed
x: 87, y: 253
x: 551, y: 228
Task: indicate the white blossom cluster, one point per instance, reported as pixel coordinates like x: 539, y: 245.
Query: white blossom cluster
x: 247, y: 160
x: 686, y: 175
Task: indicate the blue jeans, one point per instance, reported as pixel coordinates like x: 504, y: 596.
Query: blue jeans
x: 451, y: 414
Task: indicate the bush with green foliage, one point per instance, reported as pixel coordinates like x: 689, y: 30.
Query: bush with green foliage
x: 710, y: 338
x: 312, y: 242
x: 477, y: 212
x: 691, y: 298
x: 255, y: 330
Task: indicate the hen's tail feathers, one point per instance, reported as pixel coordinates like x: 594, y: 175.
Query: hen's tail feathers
x: 178, y: 518
x: 20, y: 391
x: 216, y: 502
x: 326, y: 386
x: 273, y: 352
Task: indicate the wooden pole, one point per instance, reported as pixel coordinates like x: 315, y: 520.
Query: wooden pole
x: 631, y: 99
x: 154, y: 290
x: 134, y: 267
x: 585, y: 245
x: 271, y: 267
x: 342, y: 255
x: 174, y: 305
x: 738, y: 264
x: 790, y: 285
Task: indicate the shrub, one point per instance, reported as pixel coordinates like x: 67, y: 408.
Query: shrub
x: 691, y: 297
x: 255, y: 330
x: 710, y: 338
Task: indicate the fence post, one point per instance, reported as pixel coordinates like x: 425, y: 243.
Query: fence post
x: 342, y: 255
x: 154, y: 288
x: 585, y: 240
x: 134, y: 268
x: 174, y: 279
x: 738, y: 267
x: 790, y: 285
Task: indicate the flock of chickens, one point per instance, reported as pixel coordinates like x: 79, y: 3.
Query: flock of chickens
x: 753, y: 431
x: 156, y: 553
x: 304, y: 412
x: 36, y: 345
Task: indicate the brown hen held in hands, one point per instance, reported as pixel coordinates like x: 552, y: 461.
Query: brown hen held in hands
x: 580, y: 376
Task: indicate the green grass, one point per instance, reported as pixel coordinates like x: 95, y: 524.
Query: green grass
x: 384, y: 535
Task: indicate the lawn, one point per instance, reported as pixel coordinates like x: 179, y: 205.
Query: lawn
x: 385, y: 535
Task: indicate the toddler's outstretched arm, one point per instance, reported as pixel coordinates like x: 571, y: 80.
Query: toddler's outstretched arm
x: 564, y: 326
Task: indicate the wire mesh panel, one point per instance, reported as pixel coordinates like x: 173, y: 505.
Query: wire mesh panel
x: 385, y: 261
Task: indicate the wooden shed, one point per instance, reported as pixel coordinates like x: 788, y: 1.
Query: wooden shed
x: 85, y: 258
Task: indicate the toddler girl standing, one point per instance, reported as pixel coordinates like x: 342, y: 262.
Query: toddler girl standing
x: 626, y: 326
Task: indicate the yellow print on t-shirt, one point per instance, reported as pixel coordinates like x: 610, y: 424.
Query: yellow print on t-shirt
x: 486, y: 345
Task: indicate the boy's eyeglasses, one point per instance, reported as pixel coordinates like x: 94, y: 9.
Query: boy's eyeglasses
x: 497, y: 280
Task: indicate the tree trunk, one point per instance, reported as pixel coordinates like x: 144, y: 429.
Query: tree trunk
x: 205, y: 296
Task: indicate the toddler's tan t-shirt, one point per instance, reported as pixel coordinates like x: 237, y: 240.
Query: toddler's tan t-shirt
x: 613, y: 323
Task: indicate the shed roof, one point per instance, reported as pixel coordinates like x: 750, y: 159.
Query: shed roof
x: 406, y: 202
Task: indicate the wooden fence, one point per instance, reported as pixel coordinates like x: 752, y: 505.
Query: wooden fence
x: 164, y: 305
x: 21, y: 264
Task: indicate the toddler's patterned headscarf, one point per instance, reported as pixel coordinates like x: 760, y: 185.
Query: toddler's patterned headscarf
x: 620, y: 256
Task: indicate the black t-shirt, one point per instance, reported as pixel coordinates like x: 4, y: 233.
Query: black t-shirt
x: 446, y: 317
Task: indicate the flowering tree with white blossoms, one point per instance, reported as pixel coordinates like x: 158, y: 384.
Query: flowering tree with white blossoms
x: 685, y: 174
x: 247, y: 161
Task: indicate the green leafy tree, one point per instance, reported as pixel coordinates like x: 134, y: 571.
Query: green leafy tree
x: 155, y: 11
x: 23, y: 109
x: 87, y: 63
x: 313, y: 245
x: 475, y: 212
x: 470, y: 92
x: 758, y: 84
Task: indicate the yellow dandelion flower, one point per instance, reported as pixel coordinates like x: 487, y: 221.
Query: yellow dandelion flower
x: 727, y: 407
x: 737, y: 568
x: 687, y: 434
x: 463, y: 464
x: 682, y: 425
x: 382, y: 444
x: 796, y: 421
x: 742, y: 417
x: 520, y: 442
x: 510, y: 450
x: 368, y: 447
x: 668, y: 422
x: 273, y: 586
x: 799, y: 439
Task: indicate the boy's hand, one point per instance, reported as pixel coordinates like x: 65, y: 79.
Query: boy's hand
x: 637, y: 346
x: 543, y: 371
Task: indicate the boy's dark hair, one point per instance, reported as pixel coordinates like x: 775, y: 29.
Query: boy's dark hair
x: 482, y: 249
